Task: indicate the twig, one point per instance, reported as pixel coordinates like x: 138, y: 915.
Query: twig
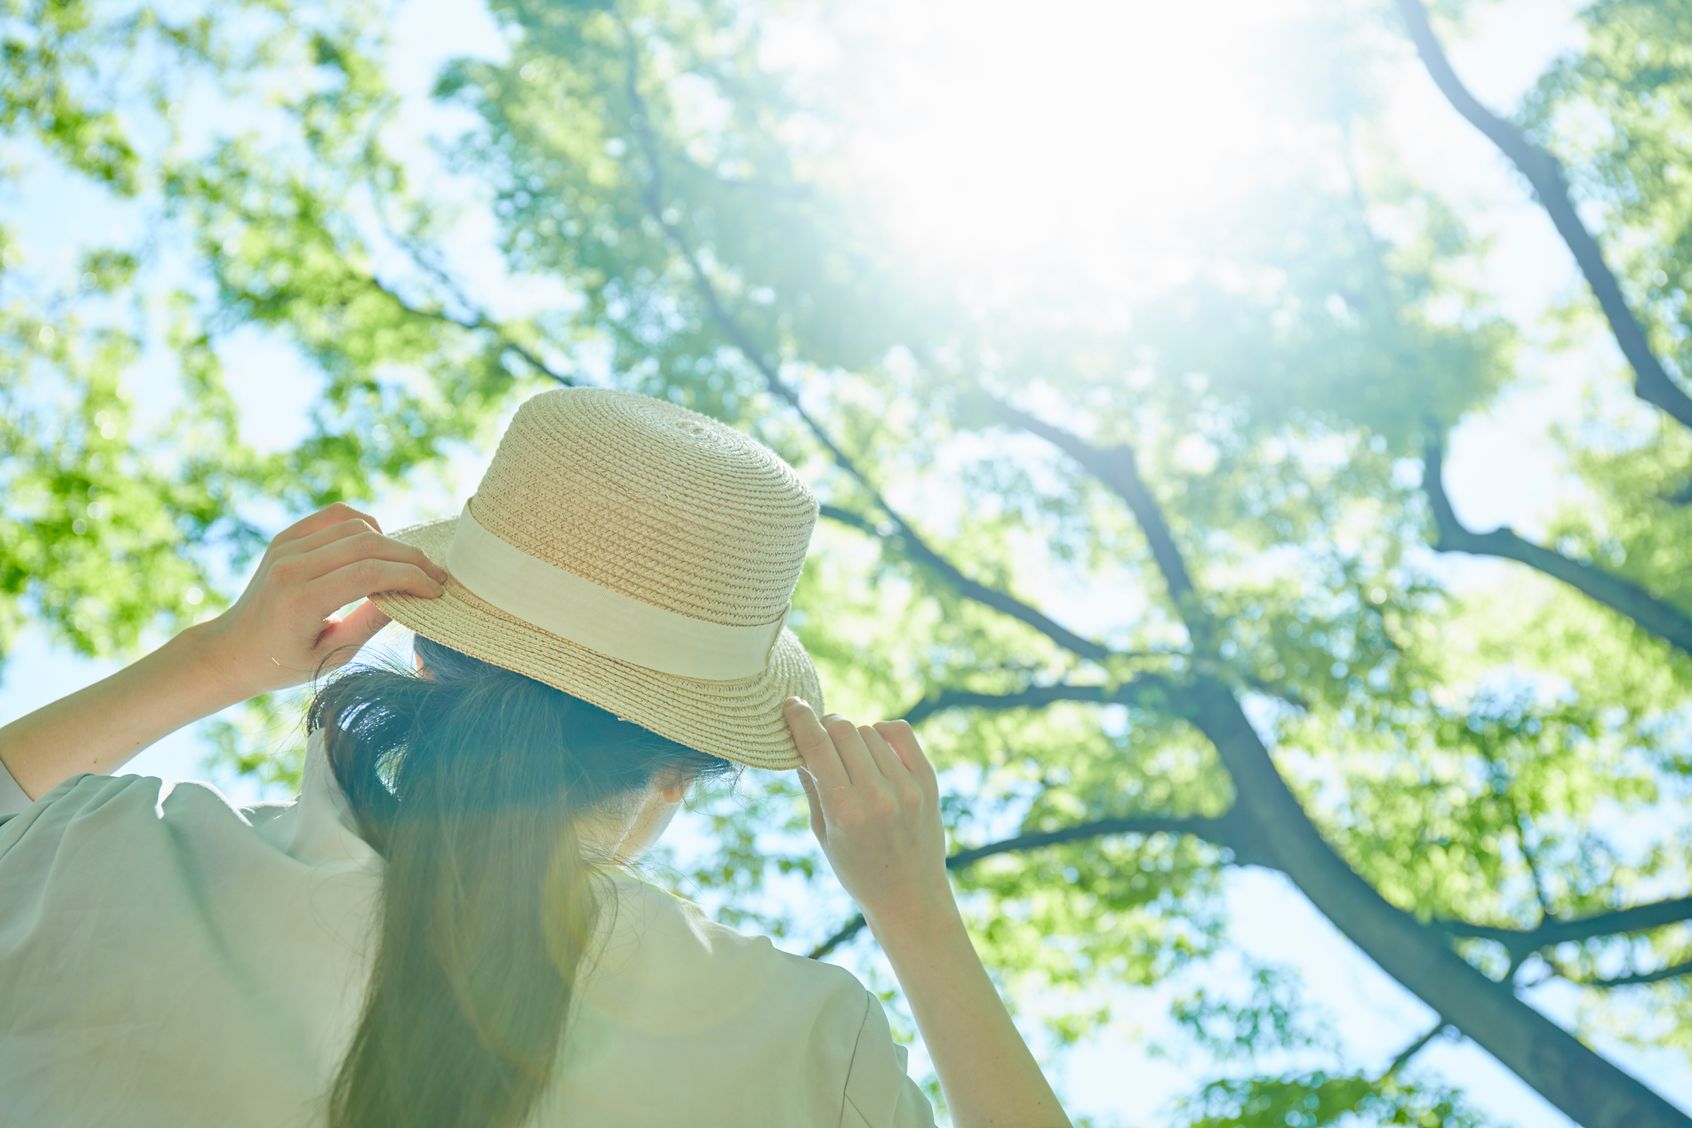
x: 1652, y: 382
x: 1654, y: 615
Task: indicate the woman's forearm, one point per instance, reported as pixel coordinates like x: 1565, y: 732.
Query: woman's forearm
x: 990, y: 1078
x: 101, y: 727
x: 278, y: 634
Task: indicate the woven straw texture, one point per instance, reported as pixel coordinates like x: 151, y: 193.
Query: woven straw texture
x: 657, y: 502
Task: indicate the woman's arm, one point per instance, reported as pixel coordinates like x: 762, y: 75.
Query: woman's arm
x: 101, y: 727
x: 875, y: 808
x: 987, y: 1071
x: 272, y: 638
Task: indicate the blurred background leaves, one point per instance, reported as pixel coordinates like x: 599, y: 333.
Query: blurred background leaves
x: 1141, y: 432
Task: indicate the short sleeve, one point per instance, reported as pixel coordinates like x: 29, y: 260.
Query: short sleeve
x: 879, y: 1091
x: 12, y: 797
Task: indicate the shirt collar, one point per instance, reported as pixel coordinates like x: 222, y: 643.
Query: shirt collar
x: 319, y: 826
x: 320, y: 789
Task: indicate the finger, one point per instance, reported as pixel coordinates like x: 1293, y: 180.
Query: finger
x: 819, y: 824
x: 327, y: 533
x: 902, y: 739
x: 355, y: 628
x: 364, y: 545
x: 818, y: 751
x: 886, y: 760
x: 328, y: 515
x: 363, y: 577
x: 882, y: 731
x: 860, y: 765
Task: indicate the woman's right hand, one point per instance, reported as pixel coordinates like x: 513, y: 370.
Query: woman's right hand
x: 875, y: 808
x: 278, y: 633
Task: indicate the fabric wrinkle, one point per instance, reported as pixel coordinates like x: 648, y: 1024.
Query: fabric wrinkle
x: 148, y: 923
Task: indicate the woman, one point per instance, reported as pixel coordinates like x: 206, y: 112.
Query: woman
x: 444, y: 927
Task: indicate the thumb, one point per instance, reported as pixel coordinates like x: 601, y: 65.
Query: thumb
x: 355, y: 628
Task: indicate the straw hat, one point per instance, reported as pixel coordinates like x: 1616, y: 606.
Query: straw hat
x: 638, y: 555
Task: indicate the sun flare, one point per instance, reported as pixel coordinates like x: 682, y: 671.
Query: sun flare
x: 1085, y: 136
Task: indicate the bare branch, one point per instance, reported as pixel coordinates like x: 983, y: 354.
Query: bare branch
x: 848, y: 518
x: 476, y: 320
x: 846, y: 931
x: 1443, y: 1026
x: 916, y: 549
x: 1144, y: 689
x: 1402, y: 1058
x: 1581, y: 1083
x: 1555, y: 930
x: 1633, y: 979
x: 1660, y: 618
x: 900, y: 535
x: 1223, y: 831
x: 1503, y: 783
x: 1117, y: 468
x: 1652, y: 382
x: 479, y: 322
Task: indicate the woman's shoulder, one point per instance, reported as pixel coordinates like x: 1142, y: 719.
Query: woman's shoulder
x: 711, y: 976
x: 668, y: 926
x: 89, y: 806
x: 92, y: 798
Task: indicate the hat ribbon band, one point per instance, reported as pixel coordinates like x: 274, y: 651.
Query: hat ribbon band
x: 616, y: 625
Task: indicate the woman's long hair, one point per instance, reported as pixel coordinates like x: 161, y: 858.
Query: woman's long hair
x: 469, y: 779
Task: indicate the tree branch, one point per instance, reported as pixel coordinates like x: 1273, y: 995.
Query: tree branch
x: 1634, y: 979
x: 1562, y: 930
x: 477, y: 319
x: 1652, y: 382
x: 1118, y: 469
x: 1583, y: 1084
x: 1654, y: 615
x: 479, y: 322
x: 1147, y: 690
x: 1402, y: 1058
x: 1503, y: 781
x: 1144, y: 689
x: 1222, y: 831
x: 848, y: 518
x: 916, y: 549
x: 899, y: 534
x: 1443, y: 1024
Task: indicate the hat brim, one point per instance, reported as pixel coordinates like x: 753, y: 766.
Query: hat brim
x: 738, y: 720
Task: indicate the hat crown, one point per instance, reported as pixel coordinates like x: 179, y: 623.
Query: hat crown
x: 652, y: 500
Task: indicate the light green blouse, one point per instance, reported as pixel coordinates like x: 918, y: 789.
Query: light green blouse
x: 170, y: 958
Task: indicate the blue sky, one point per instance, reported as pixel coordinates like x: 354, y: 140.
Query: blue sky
x: 1502, y: 469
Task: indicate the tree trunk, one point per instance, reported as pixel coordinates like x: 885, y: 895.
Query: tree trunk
x: 1583, y: 1084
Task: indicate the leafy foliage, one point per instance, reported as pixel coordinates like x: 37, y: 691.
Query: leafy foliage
x: 1500, y: 750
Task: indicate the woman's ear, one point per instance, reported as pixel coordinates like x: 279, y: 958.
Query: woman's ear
x: 672, y: 786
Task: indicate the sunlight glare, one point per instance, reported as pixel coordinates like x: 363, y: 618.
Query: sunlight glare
x: 1079, y: 138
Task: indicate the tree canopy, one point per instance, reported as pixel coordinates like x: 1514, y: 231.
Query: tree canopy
x: 1158, y: 552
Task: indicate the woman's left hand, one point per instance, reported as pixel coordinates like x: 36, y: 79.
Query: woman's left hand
x: 279, y: 632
